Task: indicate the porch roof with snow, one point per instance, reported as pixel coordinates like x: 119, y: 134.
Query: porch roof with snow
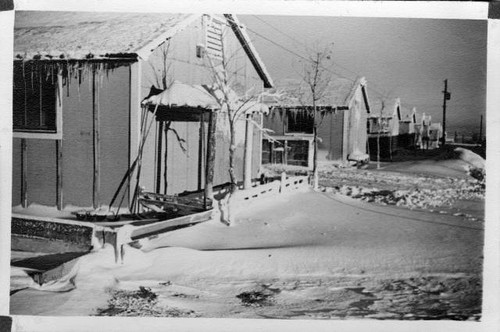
x: 338, y: 94
x: 99, y: 35
x: 181, y: 102
x: 186, y: 102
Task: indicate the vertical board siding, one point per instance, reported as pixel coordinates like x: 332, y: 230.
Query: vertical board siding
x: 256, y: 146
x: 77, y: 156
x: 335, y: 125
x: 325, y: 137
x: 42, y: 172
x: 59, y: 178
x: 240, y: 129
x: 114, y: 132
x: 184, y: 66
x: 96, y: 144
x: 274, y: 121
x: 176, y: 168
x: 147, y: 179
x: 182, y: 166
x: 16, y: 171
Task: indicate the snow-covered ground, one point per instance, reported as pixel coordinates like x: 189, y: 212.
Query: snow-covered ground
x: 303, y: 255
x: 440, y: 185
x: 403, y: 241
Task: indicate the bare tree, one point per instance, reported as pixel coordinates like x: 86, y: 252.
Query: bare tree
x: 317, y: 75
x: 235, y: 106
x: 224, y: 86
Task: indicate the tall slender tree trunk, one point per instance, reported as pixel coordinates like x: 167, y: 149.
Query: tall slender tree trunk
x: 232, y: 150
x: 315, y: 159
x: 315, y: 143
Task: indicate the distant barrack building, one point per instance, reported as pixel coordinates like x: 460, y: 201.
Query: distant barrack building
x: 341, y: 117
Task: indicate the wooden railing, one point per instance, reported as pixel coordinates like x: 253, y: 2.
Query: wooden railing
x: 286, y: 184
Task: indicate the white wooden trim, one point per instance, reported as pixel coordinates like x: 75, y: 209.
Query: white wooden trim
x: 134, y: 117
x: 261, y: 124
x: 54, y: 136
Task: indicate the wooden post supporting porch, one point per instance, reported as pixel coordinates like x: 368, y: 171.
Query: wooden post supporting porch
x: 135, y: 121
x: 159, y: 157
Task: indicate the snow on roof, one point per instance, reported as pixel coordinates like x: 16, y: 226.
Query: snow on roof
x: 183, y: 96
x: 186, y: 96
x: 407, y: 114
x: 75, y: 35
x: 389, y: 110
x: 338, y: 93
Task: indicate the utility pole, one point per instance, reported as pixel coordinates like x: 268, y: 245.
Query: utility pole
x: 446, y: 97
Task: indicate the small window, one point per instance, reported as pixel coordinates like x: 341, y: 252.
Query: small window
x: 299, y: 122
x: 35, y: 102
x: 214, y: 38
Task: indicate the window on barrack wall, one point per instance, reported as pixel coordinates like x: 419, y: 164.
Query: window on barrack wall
x: 34, y: 99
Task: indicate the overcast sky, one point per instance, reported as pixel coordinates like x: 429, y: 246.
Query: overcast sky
x: 405, y: 58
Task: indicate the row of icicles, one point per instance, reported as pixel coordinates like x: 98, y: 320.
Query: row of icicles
x: 70, y: 70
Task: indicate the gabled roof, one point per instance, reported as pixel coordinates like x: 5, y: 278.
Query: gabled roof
x: 337, y: 94
x: 424, y: 119
x: 408, y: 115
x: 389, y: 110
x: 83, y: 35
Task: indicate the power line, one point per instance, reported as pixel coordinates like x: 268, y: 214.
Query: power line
x: 369, y: 86
x: 384, y: 95
x: 309, y: 49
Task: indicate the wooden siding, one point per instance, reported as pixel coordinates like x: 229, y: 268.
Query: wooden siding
x: 77, y: 156
x: 257, y: 147
x: 182, y: 168
x: 183, y: 65
x: 275, y: 121
x: 77, y: 148
x: 331, y: 133
x: 16, y: 171
x: 42, y: 172
x: 114, y: 132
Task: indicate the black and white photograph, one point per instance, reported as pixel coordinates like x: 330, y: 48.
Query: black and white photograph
x: 248, y: 166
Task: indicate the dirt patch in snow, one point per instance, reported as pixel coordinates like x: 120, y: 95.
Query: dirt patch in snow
x: 142, y: 302
x: 423, y: 298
